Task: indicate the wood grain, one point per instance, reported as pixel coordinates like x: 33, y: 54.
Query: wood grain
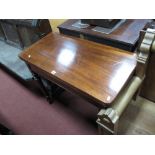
x: 94, y: 71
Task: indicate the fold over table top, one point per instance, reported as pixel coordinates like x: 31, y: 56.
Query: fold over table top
x: 95, y: 71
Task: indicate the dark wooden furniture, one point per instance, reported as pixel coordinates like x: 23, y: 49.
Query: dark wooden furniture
x: 124, y: 37
x: 2, y: 36
x: 22, y: 33
x: 108, y: 23
x: 11, y: 34
x: 94, y: 71
x: 16, y: 35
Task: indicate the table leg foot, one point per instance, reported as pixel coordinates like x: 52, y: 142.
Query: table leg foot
x: 107, y: 121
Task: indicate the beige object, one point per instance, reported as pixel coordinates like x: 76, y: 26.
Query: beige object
x: 56, y: 22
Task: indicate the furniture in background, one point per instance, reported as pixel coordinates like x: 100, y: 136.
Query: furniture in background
x: 2, y: 36
x: 106, y: 23
x: 24, y: 32
x: 125, y: 36
x: 16, y: 35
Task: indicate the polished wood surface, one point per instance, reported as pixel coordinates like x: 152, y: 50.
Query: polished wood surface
x: 125, y: 37
x: 94, y: 71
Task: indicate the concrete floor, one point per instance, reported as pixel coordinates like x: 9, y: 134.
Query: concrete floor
x: 9, y: 58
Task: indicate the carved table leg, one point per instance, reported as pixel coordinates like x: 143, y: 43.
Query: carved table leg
x: 49, y: 89
x: 44, y: 89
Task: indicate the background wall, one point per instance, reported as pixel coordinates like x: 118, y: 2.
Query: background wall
x: 55, y: 22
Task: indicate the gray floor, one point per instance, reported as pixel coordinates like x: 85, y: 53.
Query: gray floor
x: 139, y: 118
x: 9, y: 58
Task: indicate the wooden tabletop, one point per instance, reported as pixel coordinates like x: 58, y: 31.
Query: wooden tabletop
x: 94, y: 71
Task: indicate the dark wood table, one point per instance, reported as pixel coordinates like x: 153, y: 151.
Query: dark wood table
x: 94, y: 71
x: 125, y: 37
